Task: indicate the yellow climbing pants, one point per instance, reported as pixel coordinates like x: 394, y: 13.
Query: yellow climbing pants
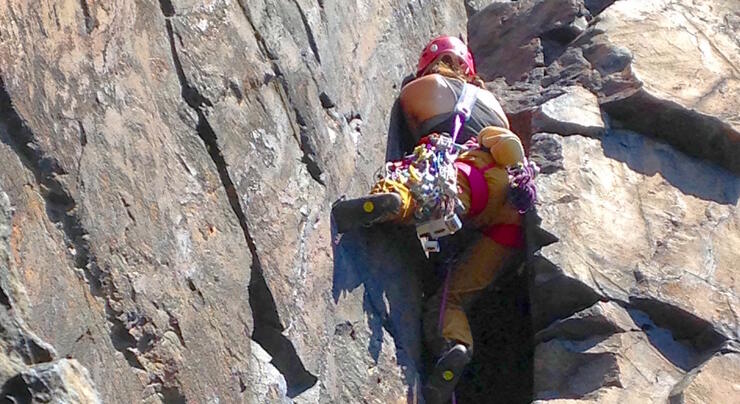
x: 483, y: 259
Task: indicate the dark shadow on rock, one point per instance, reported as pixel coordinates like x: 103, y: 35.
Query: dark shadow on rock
x: 554, y: 295
x: 597, y: 6
x: 690, y: 175
x: 503, y: 359
x: 679, y: 354
x: 386, y: 260
x: 16, y: 390
x: 399, y: 141
x: 690, y: 131
x: 268, y: 332
x: 683, y: 338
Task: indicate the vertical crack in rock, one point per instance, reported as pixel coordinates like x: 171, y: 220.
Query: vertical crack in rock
x: 268, y: 333
x: 304, y: 141
x: 61, y: 209
x: 5, y: 299
x: 261, y: 43
x: 301, y: 133
x: 309, y: 32
x: 267, y: 326
x: 89, y: 20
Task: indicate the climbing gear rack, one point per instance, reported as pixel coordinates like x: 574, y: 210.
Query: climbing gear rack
x: 431, y: 176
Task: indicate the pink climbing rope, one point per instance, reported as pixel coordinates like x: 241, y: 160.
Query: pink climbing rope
x: 442, y: 306
x: 460, y: 119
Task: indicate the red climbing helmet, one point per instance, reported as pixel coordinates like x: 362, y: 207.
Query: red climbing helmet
x: 446, y: 45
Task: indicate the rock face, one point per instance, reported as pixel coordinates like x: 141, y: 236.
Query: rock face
x: 29, y: 368
x: 663, y: 68
x: 167, y: 169
x: 634, y: 293
x: 715, y: 381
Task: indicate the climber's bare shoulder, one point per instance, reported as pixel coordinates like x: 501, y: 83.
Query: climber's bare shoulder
x: 432, y: 95
x: 426, y: 97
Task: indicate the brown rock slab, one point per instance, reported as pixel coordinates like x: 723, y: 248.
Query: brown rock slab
x: 624, y: 367
x: 644, y: 219
x: 682, y: 80
x: 716, y: 381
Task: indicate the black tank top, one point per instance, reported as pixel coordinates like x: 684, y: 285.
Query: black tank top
x: 481, y: 116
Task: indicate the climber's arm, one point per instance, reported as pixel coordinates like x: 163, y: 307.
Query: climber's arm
x: 504, y: 145
x: 400, y: 141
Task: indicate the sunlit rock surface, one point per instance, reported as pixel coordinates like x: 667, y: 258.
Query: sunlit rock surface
x: 167, y: 170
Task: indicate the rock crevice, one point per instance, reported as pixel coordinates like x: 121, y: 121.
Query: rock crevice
x: 267, y: 326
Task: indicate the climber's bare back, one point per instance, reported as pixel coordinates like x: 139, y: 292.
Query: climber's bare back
x: 429, y: 96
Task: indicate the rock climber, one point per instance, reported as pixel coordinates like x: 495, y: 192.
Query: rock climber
x: 494, y: 187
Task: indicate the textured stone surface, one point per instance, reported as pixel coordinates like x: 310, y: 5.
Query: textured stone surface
x: 684, y: 80
x: 650, y: 228
x: 264, y: 382
x: 171, y: 166
x: 621, y: 368
x: 62, y: 381
x: 681, y: 51
x: 507, y: 37
x: 645, y: 236
x: 663, y: 68
x: 716, y: 381
x: 674, y: 217
x: 575, y: 112
x: 28, y: 369
x: 609, y: 354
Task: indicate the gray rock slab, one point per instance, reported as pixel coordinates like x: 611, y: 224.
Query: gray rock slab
x: 577, y: 111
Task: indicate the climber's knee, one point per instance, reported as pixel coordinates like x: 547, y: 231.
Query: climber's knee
x: 454, y: 328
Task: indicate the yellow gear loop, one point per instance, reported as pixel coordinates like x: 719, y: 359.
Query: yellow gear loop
x: 407, y: 206
x: 448, y: 375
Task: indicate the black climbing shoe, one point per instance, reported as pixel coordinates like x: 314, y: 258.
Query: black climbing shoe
x: 351, y: 214
x: 446, y: 374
